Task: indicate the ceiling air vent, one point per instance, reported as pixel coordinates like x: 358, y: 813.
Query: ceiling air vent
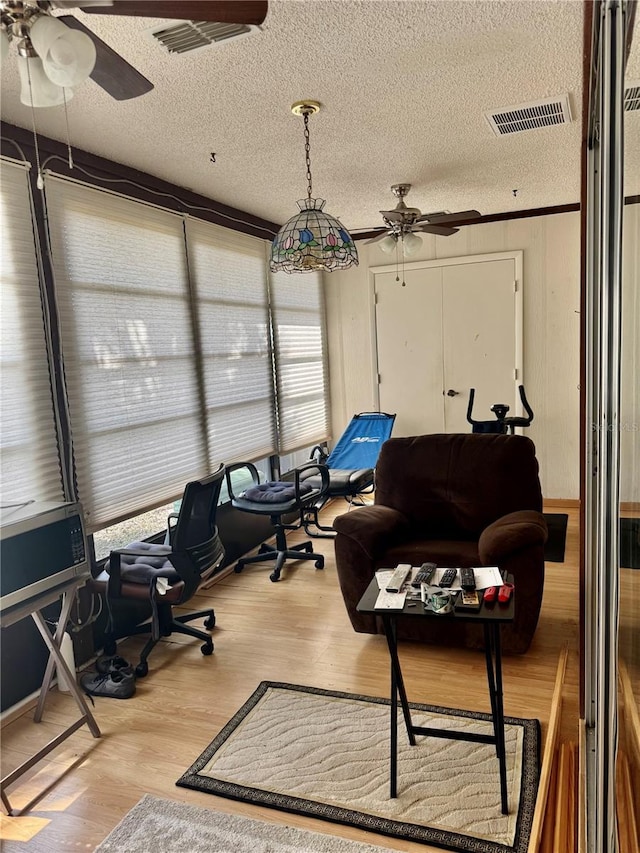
x: 185, y: 36
x: 632, y: 95
x: 546, y: 113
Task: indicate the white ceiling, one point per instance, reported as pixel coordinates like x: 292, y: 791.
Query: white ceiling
x: 403, y: 87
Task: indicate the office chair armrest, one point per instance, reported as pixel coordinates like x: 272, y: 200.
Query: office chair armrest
x: 372, y: 528
x: 169, y: 534
x: 513, y: 532
x: 305, y: 469
x: 236, y: 466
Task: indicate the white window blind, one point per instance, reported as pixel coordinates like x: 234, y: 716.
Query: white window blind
x: 30, y: 465
x: 297, y: 303
x: 128, y: 348
x: 228, y: 273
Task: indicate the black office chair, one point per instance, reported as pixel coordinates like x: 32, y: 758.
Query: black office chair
x: 279, y: 500
x: 170, y: 574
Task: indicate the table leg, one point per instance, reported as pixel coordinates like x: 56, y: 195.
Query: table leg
x: 397, y: 687
x: 494, y: 680
x: 60, y: 662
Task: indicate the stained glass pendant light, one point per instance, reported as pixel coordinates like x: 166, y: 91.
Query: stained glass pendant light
x: 312, y: 239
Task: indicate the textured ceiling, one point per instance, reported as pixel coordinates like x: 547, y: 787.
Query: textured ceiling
x: 403, y: 87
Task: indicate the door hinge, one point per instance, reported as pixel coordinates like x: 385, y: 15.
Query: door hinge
x: 515, y: 286
x: 515, y: 372
x: 379, y: 379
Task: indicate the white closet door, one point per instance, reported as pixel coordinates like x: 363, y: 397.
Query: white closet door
x: 409, y: 341
x: 479, y: 338
x: 454, y: 326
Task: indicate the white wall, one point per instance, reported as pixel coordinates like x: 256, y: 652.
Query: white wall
x: 630, y: 373
x: 551, y: 247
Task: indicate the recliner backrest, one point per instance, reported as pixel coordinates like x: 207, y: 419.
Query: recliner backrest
x: 452, y: 486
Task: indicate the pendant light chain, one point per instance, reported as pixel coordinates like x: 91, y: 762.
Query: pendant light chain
x: 307, y: 151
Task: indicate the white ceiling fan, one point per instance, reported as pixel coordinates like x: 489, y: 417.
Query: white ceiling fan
x: 403, y: 223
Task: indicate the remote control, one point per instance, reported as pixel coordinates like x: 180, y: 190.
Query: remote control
x: 398, y: 577
x: 448, y: 577
x: 424, y: 574
x: 467, y: 579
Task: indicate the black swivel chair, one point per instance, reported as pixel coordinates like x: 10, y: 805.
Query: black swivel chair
x: 280, y: 500
x: 170, y: 574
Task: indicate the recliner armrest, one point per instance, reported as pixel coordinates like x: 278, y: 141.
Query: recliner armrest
x: 511, y: 533
x: 373, y: 528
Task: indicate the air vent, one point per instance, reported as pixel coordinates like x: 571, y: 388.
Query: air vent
x: 546, y: 113
x: 632, y: 96
x: 185, y: 36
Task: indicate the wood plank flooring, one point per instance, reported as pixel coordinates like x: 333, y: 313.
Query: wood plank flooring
x: 295, y: 631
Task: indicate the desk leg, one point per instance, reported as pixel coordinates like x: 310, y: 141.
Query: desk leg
x: 494, y: 680
x: 397, y: 687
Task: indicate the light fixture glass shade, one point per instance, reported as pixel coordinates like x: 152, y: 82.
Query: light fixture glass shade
x: 312, y: 240
x: 68, y: 56
x: 387, y: 244
x: 42, y: 92
x: 411, y: 243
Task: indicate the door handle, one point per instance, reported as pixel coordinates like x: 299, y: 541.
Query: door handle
x: 452, y: 393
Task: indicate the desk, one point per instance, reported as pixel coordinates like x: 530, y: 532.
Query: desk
x: 32, y: 607
x: 491, y: 617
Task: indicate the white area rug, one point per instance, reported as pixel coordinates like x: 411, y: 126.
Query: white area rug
x: 164, y: 826
x: 326, y: 754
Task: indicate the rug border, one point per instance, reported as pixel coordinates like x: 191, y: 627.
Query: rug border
x: 447, y: 840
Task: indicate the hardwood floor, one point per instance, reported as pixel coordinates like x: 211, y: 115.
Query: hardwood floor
x: 295, y: 631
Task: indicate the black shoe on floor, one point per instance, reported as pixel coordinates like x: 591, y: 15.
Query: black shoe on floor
x: 117, y: 685
x: 113, y: 663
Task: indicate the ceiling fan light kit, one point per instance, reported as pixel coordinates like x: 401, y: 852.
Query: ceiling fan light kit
x: 311, y: 239
x: 51, y: 57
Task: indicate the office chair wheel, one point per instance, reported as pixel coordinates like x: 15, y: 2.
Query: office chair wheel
x: 210, y: 622
x: 275, y: 576
x: 308, y: 547
x: 207, y: 648
x: 238, y: 567
x: 142, y: 669
x: 320, y: 563
x: 264, y: 548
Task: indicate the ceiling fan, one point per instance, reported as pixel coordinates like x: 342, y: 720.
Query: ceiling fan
x: 23, y: 21
x: 402, y: 223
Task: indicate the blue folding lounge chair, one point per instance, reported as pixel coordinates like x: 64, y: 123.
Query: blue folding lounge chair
x: 352, y: 461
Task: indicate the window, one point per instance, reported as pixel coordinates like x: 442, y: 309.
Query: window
x: 128, y: 347
x: 173, y: 343
x: 301, y: 365
x: 229, y: 280
x: 30, y: 464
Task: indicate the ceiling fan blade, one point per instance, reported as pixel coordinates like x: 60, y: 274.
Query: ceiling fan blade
x: 222, y: 11
x: 378, y: 238
x: 393, y: 215
x: 449, y: 217
x: 113, y: 73
x: 440, y: 230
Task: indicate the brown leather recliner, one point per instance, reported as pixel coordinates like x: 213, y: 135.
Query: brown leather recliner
x: 456, y: 500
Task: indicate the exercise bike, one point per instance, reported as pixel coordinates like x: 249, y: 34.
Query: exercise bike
x: 501, y: 424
